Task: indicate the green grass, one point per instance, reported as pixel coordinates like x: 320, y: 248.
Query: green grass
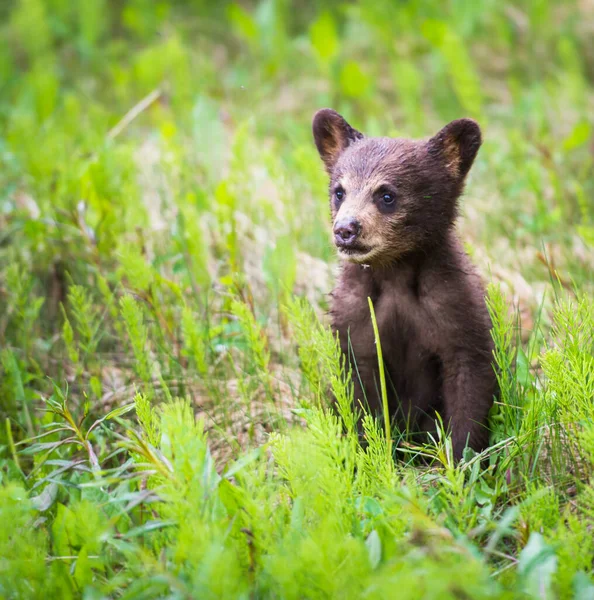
x: 165, y: 361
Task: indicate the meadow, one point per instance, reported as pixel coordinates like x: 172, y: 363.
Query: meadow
x: 166, y: 365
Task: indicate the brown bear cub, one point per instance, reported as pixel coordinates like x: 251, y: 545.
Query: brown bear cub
x: 394, y: 204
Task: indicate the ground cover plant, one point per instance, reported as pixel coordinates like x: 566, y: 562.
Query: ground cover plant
x: 165, y: 361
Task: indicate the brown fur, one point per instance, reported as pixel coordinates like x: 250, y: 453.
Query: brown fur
x: 433, y: 323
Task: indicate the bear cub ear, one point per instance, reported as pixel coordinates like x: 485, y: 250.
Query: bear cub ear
x: 332, y: 135
x: 457, y: 145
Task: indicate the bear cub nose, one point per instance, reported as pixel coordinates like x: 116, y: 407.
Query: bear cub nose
x: 346, y: 232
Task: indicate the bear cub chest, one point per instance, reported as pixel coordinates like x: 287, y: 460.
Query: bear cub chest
x: 412, y: 364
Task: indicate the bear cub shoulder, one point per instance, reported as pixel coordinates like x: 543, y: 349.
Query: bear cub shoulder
x: 394, y: 205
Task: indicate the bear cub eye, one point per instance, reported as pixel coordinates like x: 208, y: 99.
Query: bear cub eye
x: 385, y: 199
x: 339, y: 193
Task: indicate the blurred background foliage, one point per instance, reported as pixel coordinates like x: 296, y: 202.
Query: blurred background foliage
x: 164, y: 234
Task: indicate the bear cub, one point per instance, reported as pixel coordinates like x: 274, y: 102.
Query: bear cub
x: 394, y: 205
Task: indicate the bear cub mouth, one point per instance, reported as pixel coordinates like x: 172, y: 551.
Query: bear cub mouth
x: 354, y: 252
x: 350, y: 250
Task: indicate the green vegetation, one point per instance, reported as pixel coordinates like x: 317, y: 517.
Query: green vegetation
x: 165, y: 363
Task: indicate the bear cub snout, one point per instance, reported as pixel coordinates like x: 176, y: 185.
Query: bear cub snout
x: 394, y: 204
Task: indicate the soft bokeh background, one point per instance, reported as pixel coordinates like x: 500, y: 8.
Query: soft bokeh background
x: 162, y: 207
x: 237, y: 85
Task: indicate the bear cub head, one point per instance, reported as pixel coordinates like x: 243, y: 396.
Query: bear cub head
x: 390, y: 197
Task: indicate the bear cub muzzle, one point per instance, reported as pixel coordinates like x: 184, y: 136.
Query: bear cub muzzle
x: 394, y: 205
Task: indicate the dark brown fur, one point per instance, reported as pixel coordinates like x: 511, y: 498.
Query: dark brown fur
x: 429, y: 301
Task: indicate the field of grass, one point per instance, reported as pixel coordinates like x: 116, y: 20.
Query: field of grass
x: 165, y: 259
